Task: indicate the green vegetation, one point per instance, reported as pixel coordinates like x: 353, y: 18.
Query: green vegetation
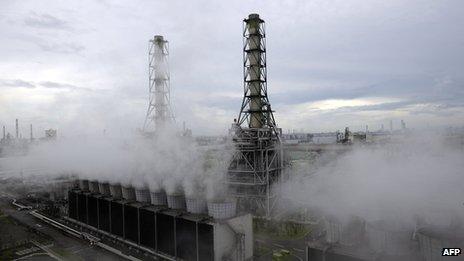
x: 261, y: 250
x: 281, y: 255
x: 62, y: 252
x: 7, y: 254
x: 280, y: 230
x: 5, y: 220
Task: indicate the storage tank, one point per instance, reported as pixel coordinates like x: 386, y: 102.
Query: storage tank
x: 104, y: 188
x: 128, y: 192
x: 93, y: 186
x: 222, y: 209
x: 176, y: 201
x: 158, y: 198
x: 116, y: 191
x: 333, y: 231
x: 142, y: 195
x: 390, y: 238
x: 196, y: 205
x: 84, y: 184
x: 432, y: 240
x: 348, y: 232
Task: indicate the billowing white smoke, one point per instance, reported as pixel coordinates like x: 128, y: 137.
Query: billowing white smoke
x: 400, y: 181
x: 169, y: 161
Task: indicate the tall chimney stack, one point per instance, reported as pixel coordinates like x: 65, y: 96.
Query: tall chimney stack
x: 4, y: 133
x: 32, y: 137
x: 17, y: 129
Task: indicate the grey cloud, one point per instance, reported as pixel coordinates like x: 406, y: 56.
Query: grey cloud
x: 438, y: 109
x: 428, y: 88
x: 16, y: 83
x: 386, y: 106
x: 57, y: 85
x: 45, y: 21
x: 302, y: 96
x: 423, y: 106
x: 65, y: 48
x: 316, y: 51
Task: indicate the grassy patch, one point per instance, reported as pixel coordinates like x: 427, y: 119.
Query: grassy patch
x: 280, y: 230
x: 61, y: 251
x: 5, y: 220
x: 262, y: 250
x: 7, y: 254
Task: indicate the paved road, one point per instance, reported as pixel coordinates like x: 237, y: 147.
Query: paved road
x: 76, y: 249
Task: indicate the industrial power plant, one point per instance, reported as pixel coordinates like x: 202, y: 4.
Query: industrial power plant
x: 257, y: 193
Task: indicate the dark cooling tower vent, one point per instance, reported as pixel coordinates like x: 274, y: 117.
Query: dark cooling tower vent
x: 176, y: 201
x: 196, y: 205
x: 142, y: 195
x: 104, y: 188
x: 158, y: 198
x: 222, y: 210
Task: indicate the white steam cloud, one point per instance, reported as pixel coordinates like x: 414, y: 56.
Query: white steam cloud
x: 399, y: 182
x: 169, y: 161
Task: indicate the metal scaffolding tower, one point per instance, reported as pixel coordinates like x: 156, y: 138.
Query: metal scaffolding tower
x: 159, y: 111
x: 255, y: 171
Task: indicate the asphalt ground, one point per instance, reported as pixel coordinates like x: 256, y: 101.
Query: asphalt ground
x: 65, y: 247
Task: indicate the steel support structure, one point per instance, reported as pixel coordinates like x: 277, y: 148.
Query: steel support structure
x: 159, y: 111
x: 255, y: 170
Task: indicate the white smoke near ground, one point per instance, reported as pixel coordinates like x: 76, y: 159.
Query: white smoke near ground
x: 168, y: 161
x: 414, y: 177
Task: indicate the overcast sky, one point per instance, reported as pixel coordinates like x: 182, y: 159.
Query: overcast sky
x: 81, y: 66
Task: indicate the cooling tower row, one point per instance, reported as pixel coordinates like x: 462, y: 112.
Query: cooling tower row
x: 218, y: 210
x: 186, y: 229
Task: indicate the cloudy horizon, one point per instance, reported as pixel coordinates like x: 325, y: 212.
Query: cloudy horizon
x: 81, y: 67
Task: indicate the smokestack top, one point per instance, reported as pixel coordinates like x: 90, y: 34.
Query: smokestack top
x: 158, y: 38
x: 253, y: 16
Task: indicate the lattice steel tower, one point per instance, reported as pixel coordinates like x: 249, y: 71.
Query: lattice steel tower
x: 255, y: 171
x: 159, y: 111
